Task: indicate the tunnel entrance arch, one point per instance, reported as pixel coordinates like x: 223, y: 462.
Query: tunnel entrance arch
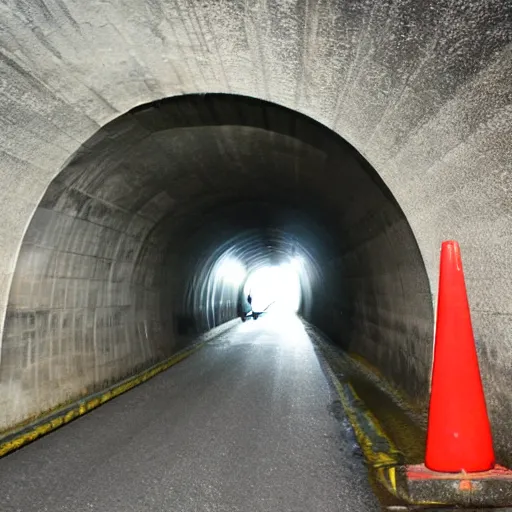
x: 111, y: 273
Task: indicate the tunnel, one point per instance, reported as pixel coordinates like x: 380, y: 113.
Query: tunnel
x: 117, y: 269
x: 143, y: 145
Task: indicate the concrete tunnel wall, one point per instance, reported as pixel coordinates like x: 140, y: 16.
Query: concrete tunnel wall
x: 421, y: 90
x: 137, y: 219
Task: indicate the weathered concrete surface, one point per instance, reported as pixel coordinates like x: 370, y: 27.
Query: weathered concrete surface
x: 118, y: 260
x: 422, y: 91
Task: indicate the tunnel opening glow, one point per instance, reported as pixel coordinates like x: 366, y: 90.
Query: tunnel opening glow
x: 275, y: 288
x: 231, y: 271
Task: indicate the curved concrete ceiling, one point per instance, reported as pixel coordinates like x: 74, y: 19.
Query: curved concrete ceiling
x: 421, y: 91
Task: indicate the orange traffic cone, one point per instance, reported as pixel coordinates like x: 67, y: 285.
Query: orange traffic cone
x: 459, y: 434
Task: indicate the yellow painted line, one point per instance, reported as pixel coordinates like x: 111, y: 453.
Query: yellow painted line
x: 384, y: 465
x: 84, y: 406
x: 392, y: 477
x: 391, y: 485
x: 377, y: 459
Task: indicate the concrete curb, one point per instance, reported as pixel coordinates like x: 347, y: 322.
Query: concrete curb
x: 14, y: 440
x: 378, y: 450
x: 386, y: 463
x: 411, y: 485
x: 383, y: 458
x: 415, y: 411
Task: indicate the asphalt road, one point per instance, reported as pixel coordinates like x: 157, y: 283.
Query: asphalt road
x: 246, y: 424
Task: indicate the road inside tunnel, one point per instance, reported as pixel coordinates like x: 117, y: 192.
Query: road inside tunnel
x: 246, y: 423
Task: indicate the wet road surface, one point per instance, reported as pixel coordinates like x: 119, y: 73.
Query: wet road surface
x: 244, y: 424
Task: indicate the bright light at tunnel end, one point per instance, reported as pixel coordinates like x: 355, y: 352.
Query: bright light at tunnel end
x: 276, y: 288
x: 231, y: 271
x: 297, y: 263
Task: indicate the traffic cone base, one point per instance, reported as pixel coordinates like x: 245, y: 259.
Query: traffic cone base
x: 486, y: 489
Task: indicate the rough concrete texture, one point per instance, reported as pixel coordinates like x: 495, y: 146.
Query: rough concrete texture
x: 422, y: 90
x: 132, y: 226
